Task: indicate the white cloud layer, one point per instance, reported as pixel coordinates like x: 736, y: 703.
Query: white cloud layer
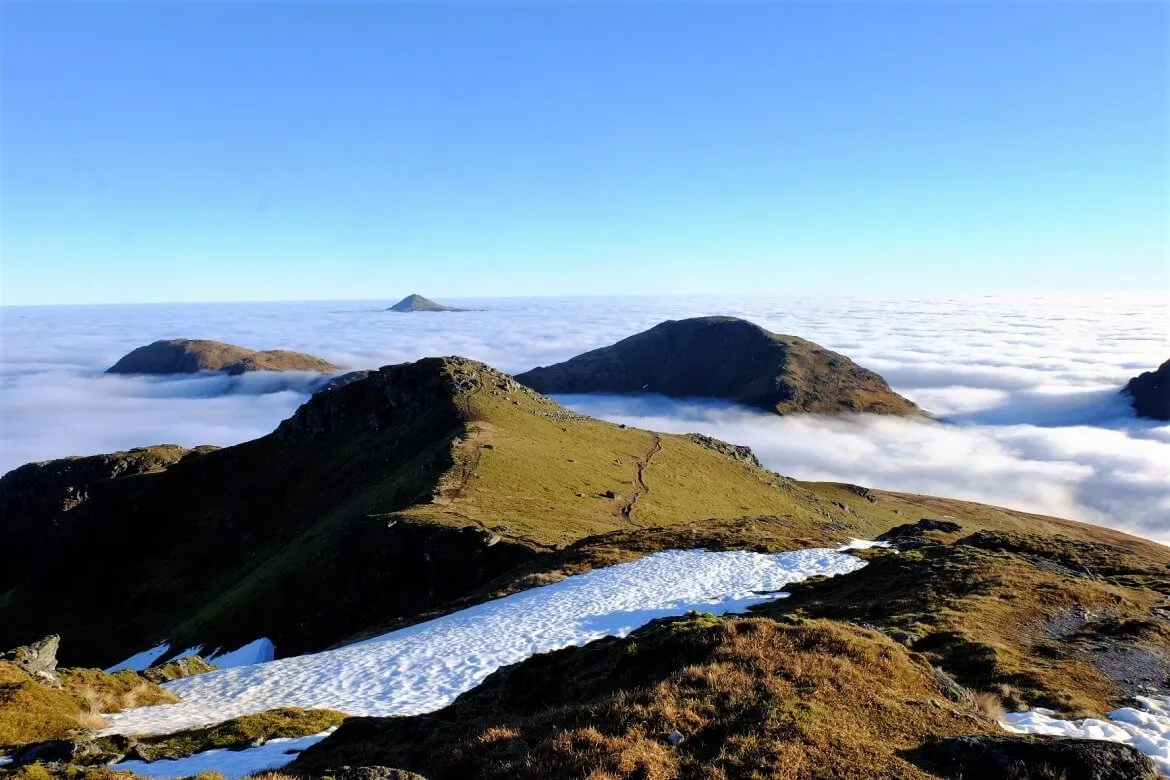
x: 1026, y: 386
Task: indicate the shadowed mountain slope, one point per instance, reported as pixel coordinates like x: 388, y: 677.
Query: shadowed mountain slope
x: 728, y: 358
x: 189, y: 356
x: 1150, y: 393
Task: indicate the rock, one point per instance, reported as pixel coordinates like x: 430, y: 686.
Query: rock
x: 611, y: 494
x: 953, y: 691
x: 865, y: 493
x: 189, y: 356
x: 372, y: 773
x: 733, y: 451
x: 1015, y: 757
x: 344, y: 379
x: 728, y: 358
x: 38, y: 659
x: 909, y: 536
x: 412, y: 303
x: 1150, y: 393
x: 83, y: 751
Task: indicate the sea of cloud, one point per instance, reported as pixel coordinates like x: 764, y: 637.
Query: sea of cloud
x: 1025, y: 387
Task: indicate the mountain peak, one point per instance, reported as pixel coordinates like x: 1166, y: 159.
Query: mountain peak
x: 728, y: 358
x: 415, y: 302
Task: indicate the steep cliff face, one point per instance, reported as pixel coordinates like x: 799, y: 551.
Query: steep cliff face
x: 729, y: 358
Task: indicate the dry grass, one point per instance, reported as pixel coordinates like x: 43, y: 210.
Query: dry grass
x: 32, y: 712
x: 987, y: 612
x: 751, y: 697
x: 989, y: 704
x: 102, y: 692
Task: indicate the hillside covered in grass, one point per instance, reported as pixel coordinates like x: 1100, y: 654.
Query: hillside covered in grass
x: 397, y: 495
x: 423, y: 488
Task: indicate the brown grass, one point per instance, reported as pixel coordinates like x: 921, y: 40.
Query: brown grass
x: 751, y: 697
x: 988, y: 610
x: 102, y: 692
x: 989, y: 704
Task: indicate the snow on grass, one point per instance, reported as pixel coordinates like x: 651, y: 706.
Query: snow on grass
x: 423, y: 667
x: 861, y: 544
x: 256, y: 652
x: 273, y: 754
x: 140, y: 661
x: 1146, y: 727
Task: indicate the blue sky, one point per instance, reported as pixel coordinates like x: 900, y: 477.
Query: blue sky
x: 256, y: 151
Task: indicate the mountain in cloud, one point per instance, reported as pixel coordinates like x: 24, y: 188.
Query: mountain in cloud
x: 415, y: 302
x: 189, y: 356
x: 1149, y: 393
x: 727, y: 358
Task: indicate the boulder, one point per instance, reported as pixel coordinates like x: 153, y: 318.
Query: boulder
x: 1018, y: 757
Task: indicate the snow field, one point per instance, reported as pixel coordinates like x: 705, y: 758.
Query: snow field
x: 423, y: 667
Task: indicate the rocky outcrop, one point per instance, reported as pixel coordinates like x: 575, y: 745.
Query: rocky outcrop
x: 38, y: 660
x: 1150, y: 393
x: 1010, y: 757
x: 189, y: 356
x: 727, y: 358
x: 734, y: 451
x: 412, y: 303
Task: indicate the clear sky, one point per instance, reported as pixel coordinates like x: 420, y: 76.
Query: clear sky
x: 170, y: 151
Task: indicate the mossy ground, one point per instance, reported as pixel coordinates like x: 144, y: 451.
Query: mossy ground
x: 271, y: 724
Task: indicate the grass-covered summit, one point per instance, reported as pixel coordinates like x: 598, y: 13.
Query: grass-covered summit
x: 728, y: 358
x: 189, y: 356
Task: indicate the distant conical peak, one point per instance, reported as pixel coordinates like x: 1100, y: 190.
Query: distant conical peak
x: 415, y: 302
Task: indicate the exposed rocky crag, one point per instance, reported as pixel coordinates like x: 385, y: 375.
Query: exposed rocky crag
x: 1150, y: 393
x: 412, y: 303
x: 189, y: 356
x: 728, y: 358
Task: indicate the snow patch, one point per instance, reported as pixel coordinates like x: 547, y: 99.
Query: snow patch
x: 862, y: 544
x: 273, y: 754
x: 141, y: 661
x: 258, y: 651
x: 422, y: 668
x: 1146, y: 727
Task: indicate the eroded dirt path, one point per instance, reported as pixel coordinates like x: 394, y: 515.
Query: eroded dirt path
x: 640, y: 487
